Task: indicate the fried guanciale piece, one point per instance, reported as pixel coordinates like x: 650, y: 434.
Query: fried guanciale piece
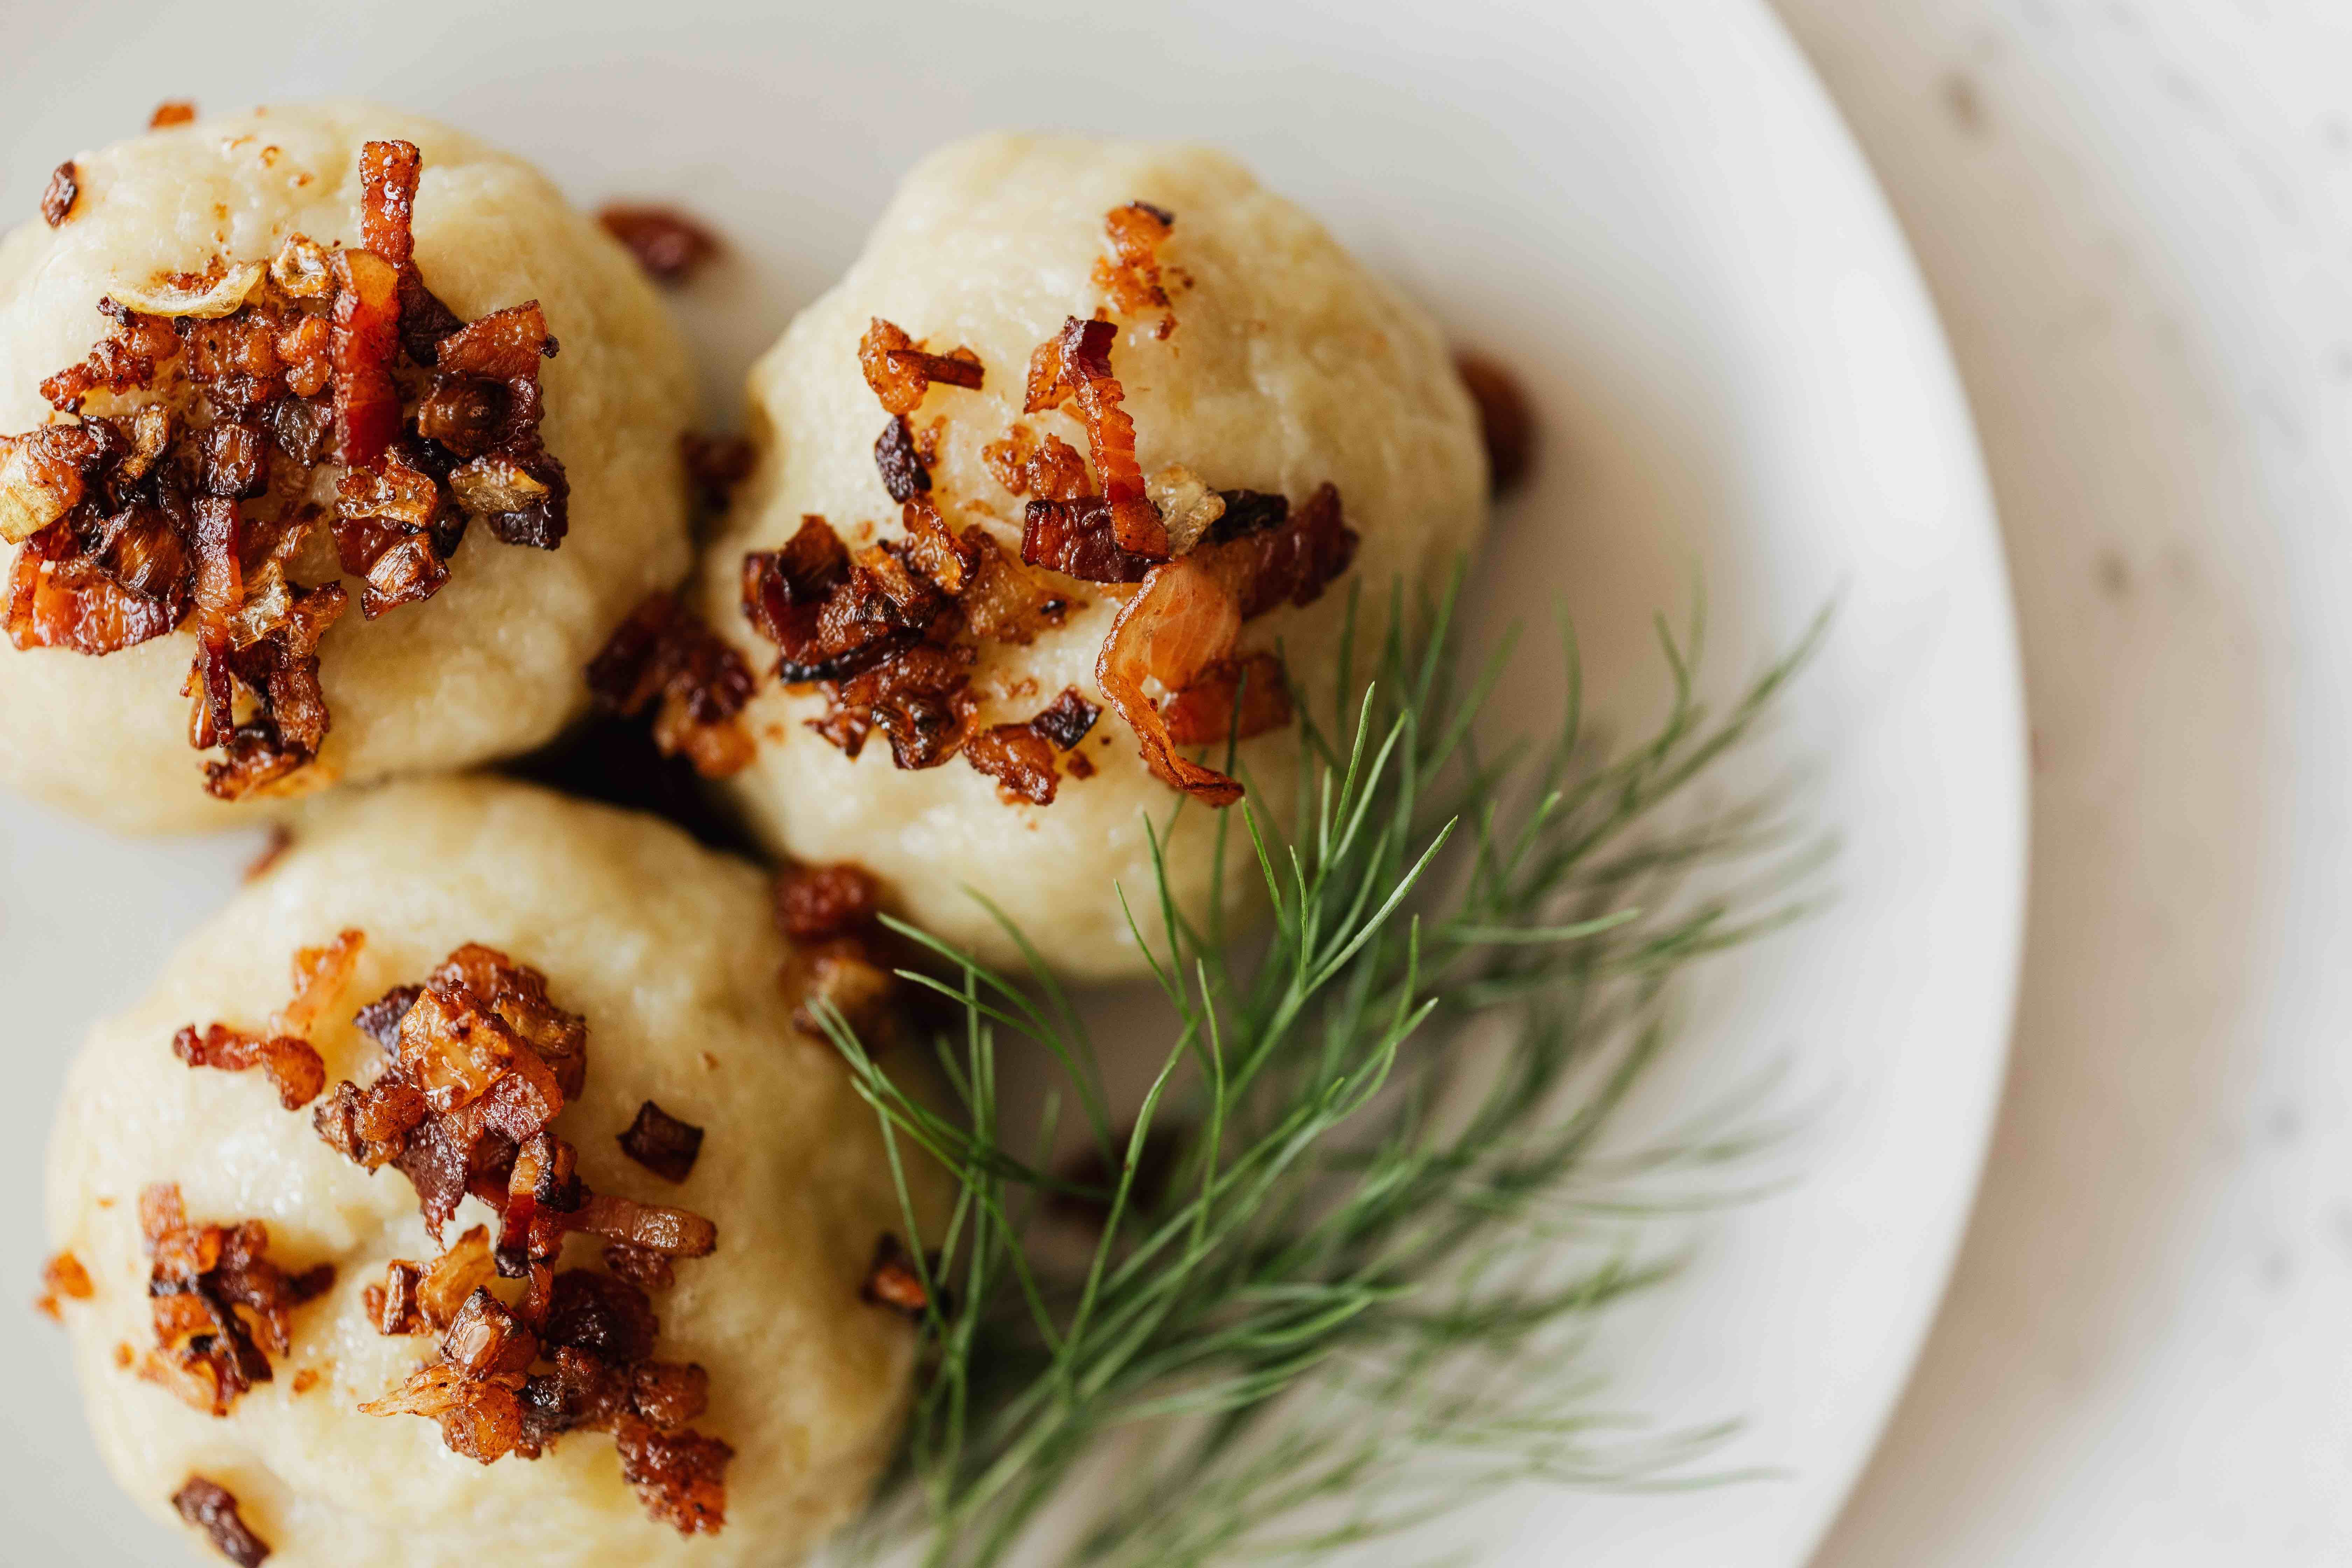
x: 58, y: 196
x: 901, y: 372
x: 183, y: 493
x: 1505, y: 422
x: 220, y: 1308
x: 1129, y: 276
x: 662, y: 1143
x: 211, y: 1507
x: 664, y: 652
x: 670, y: 247
x: 62, y: 1276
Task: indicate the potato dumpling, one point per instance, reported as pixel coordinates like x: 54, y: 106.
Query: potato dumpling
x: 378, y: 443
x: 1073, y: 385
x: 698, y: 1102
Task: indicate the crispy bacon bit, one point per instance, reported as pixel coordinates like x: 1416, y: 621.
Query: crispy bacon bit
x: 1236, y: 698
x: 220, y: 1308
x: 1075, y: 365
x: 1050, y: 470
x: 1129, y: 275
x: 667, y: 244
x: 59, y: 599
x: 1505, y: 422
x: 891, y: 1281
x: 63, y: 190
x: 900, y: 372
x: 903, y: 474
x: 379, y: 1019
x: 388, y: 175
x: 665, y: 651
x: 169, y: 113
x: 1066, y: 720
x: 194, y: 502
x: 211, y: 1507
x: 662, y: 1143
x: 62, y: 1276
x: 1020, y: 757
x: 292, y: 1065
x: 1020, y: 760
x: 715, y: 465
x: 1077, y: 539
x: 820, y: 903
x: 680, y: 1476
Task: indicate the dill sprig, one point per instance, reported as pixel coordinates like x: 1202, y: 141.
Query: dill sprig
x: 1343, y: 1253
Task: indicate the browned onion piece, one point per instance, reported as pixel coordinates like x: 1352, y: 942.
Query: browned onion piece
x: 1129, y: 275
x: 675, y: 1233
x: 292, y: 1065
x: 901, y: 372
x: 388, y: 174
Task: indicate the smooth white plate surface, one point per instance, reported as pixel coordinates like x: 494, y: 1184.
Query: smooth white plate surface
x: 1653, y: 212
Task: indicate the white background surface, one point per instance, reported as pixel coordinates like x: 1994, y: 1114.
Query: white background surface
x: 1654, y: 210
x: 2134, y: 218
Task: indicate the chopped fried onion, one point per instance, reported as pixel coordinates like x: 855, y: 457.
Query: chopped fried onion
x: 664, y: 652
x: 209, y: 1505
x: 901, y: 372
x: 172, y: 112
x: 194, y: 500
x: 219, y: 1307
x: 1129, y: 275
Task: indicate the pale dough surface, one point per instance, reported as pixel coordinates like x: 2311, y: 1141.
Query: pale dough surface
x: 668, y: 952
x: 490, y: 666
x: 1291, y: 365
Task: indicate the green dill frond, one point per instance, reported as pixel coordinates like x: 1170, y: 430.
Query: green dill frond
x: 1344, y: 1259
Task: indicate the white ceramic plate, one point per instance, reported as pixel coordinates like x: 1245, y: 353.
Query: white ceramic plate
x: 1654, y: 213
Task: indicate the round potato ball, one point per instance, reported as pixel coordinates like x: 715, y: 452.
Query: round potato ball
x: 490, y: 666
x: 669, y: 952
x: 1289, y: 367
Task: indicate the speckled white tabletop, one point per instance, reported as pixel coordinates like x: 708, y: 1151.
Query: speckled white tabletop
x: 2136, y: 219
